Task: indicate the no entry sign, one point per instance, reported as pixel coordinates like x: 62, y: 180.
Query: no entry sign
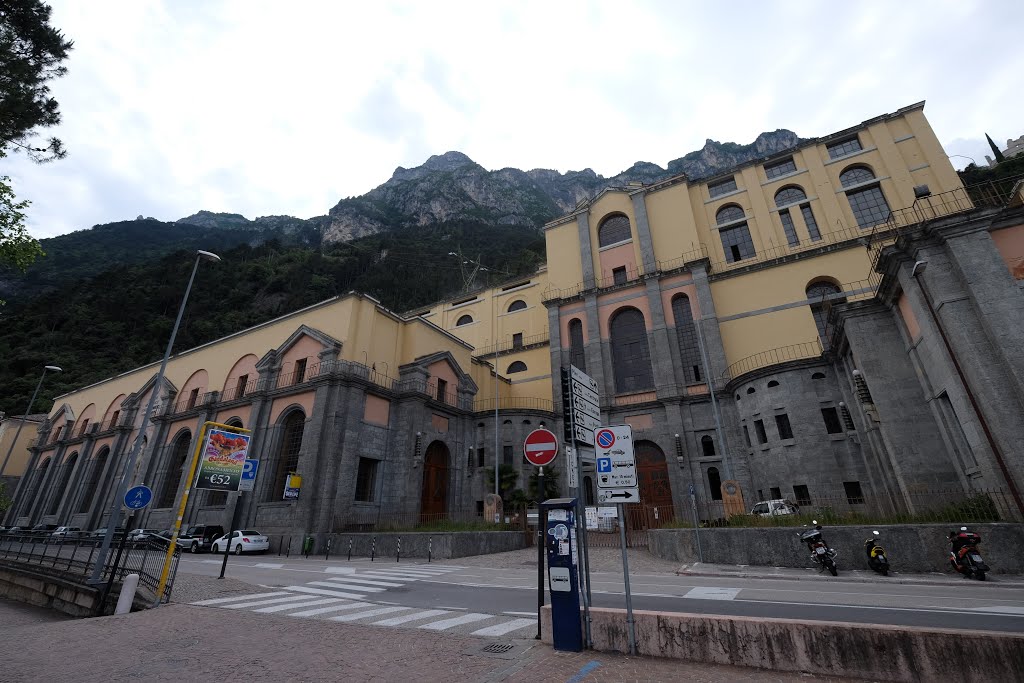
x: 540, y: 448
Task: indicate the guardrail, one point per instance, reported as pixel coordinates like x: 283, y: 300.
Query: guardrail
x: 801, y: 351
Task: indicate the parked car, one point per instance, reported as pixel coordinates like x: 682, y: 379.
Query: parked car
x: 43, y: 529
x: 98, y: 535
x: 66, y: 532
x: 162, y: 538
x: 200, y: 537
x: 247, y: 541
x: 773, y: 508
x: 141, y: 534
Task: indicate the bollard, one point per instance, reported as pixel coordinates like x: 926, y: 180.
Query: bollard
x: 398, y: 557
x: 288, y: 549
x: 127, y: 596
x: 327, y: 554
x: 430, y: 546
x: 350, y: 550
x: 307, y: 546
x: 373, y: 547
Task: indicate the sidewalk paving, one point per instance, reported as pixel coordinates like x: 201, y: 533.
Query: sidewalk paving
x: 845, y: 575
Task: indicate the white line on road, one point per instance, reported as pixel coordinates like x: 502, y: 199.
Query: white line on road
x: 340, y: 570
x: 708, y: 593
x: 296, y: 605
x: 459, y: 609
x: 217, y: 601
x: 445, y: 624
x: 352, y: 579
x: 507, y: 627
x: 522, y: 614
x: 371, y: 613
x: 325, y: 610
x: 267, y: 565
x: 405, y: 618
x: 257, y: 603
x: 321, y: 591
x: 346, y: 586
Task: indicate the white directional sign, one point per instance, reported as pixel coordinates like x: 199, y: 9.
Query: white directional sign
x: 583, y: 378
x: 585, y: 420
x: 616, y: 465
x: 586, y: 407
x: 584, y: 435
x: 572, y: 467
x: 584, y: 392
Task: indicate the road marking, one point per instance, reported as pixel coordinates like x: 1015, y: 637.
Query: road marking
x: 709, y: 593
x: 294, y: 605
x: 346, y: 586
x: 267, y: 565
x: 391, y: 575
x: 881, y: 607
x: 371, y: 613
x: 339, y: 570
x: 321, y: 591
x: 522, y: 614
x: 257, y: 603
x: 459, y: 609
x: 325, y: 610
x: 445, y: 624
x: 507, y: 627
x: 352, y: 579
x: 218, y: 601
x: 999, y: 609
x: 395, y: 621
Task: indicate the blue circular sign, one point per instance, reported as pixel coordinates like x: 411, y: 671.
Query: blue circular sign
x: 138, y: 497
x: 605, y: 438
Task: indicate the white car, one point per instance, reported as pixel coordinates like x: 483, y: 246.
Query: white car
x: 775, y: 508
x: 66, y: 532
x: 141, y: 534
x: 246, y: 541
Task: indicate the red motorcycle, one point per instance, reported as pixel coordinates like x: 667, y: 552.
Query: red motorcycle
x: 964, y: 555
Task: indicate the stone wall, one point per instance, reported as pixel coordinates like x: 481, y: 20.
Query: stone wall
x: 442, y: 545
x: 917, y: 548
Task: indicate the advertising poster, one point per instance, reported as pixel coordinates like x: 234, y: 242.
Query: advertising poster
x: 222, y: 460
x: 292, y: 486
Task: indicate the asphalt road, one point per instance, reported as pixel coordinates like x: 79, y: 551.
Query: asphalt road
x: 957, y: 604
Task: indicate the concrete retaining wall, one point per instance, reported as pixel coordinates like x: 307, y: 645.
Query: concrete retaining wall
x: 443, y: 545
x: 912, y: 548
x: 47, y: 587
x: 880, y: 653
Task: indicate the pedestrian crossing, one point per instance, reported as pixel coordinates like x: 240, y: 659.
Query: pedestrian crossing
x: 348, y: 598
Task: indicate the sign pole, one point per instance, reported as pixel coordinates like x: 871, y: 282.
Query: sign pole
x: 231, y: 531
x: 625, y: 577
x: 581, y: 533
x: 696, y: 524
x: 540, y: 546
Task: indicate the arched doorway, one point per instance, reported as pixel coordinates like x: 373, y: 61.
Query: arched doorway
x: 715, y: 483
x: 434, y: 499
x: 655, y: 487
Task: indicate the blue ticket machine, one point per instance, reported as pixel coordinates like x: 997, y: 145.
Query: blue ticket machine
x: 563, y: 580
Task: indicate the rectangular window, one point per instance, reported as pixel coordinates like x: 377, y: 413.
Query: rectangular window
x: 789, y: 228
x: 843, y: 147
x: 517, y: 340
x: 785, y: 429
x: 812, y: 225
x: 832, y: 423
x: 192, y: 399
x: 760, y: 494
x: 442, y: 389
x: 762, y: 437
x: 722, y: 187
x: 240, y: 386
x: 802, y: 495
x: 869, y: 206
x: 480, y: 456
x: 300, y: 371
x: 479, y: 508
x: 619, y: 275
x: 776, y: 493
x: 781, y: 168
x: 216, y: 499
x: 518, y: 284
x: 854, y: 494
x: 114, y: 418
x: 736, y: 243
x: 366, y: 477
x: 85, y: 424
x: 507, y: 455
x: 746, y: 435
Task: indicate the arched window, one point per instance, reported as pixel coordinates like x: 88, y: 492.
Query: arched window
x: 789, y: 195
x: 613, y: 229
x: 821, y: 296
x: 686, y: 335
x: 93, y: 482
x: 516, y: 366
x: 707, y: 446
x: 288, y: 452
x: 736, y: 241
x: 516, y: 305
x: 40, y: 474
x: 773, y: 383
x: 867, y: 201
x: 577, y: 355
x: 715, y: 483
x: 463, y: 320
x: 818, y: 375
x: 175, y: 468
x: 631, y: 356
x: 62, y: 484
x: 751, y: 390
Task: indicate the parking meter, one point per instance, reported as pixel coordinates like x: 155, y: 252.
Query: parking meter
x: 563, y: 578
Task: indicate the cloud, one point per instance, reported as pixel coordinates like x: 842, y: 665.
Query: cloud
x: 268, y: 108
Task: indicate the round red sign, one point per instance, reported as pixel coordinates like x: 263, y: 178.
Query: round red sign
x: 540, y: 448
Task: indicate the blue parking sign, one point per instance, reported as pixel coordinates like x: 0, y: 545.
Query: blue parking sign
x: 248, y: 480
x: 604, y: 464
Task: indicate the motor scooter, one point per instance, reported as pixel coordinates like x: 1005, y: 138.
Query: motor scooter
x: 964, y: 555
x: 876, y: 555
x: 821, y: 553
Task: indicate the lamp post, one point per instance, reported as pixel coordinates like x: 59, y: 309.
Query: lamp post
x: 28, y: 411
x: 115, y: 503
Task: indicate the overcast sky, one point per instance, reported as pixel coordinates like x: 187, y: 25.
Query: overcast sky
x: 266, y: 108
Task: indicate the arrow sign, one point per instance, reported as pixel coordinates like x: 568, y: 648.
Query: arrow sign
x: 586, y: 393
x: 583, y: 378
x: 623, y: 495
x: 540, y: 447
x: 588, y: 422
x: 584, y: 435
x: 586, y: 407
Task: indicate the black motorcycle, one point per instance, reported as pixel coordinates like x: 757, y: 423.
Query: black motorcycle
x: 876, y: 555
x: 824, y: 556
x: 964, y: 555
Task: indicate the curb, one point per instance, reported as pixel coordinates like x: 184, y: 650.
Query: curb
x: 892, y: 578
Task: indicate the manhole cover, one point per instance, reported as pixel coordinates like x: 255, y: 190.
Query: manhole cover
x: 509, y: 651
x: 498, y: 648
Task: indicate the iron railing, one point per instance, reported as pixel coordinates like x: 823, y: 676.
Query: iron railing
x: 361, y: 521
x: 783, y: 354
x: 484, y: 405
x: 511, y: 345
x: 250, y: 387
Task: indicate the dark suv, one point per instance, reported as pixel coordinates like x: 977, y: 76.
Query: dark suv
x: 200, y: 537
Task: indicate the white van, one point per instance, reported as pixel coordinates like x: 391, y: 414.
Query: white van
x: 773, y: 508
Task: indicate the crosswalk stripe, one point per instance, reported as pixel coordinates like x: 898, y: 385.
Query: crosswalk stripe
x: 322, y: 591
x: 295, y: 605
x: 371, y: 613
x: 395, y: 621
x: 347, y: 586
x: 257, y: 603
x: 392, y: 577
x: 456, y: 621
x: 507, y: 627
x: 352, y: 579
x: 325, y: 610
x: 250, y: 596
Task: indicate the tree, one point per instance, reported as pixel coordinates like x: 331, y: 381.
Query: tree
x: 995, y: 150
x: 18, y: 249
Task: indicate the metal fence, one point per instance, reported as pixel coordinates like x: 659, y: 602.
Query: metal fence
x: 77, y: 556
x: 513, y: 519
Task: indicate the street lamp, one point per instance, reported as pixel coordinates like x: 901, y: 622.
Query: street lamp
x: 28, y: 411
x: 122, y: 487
